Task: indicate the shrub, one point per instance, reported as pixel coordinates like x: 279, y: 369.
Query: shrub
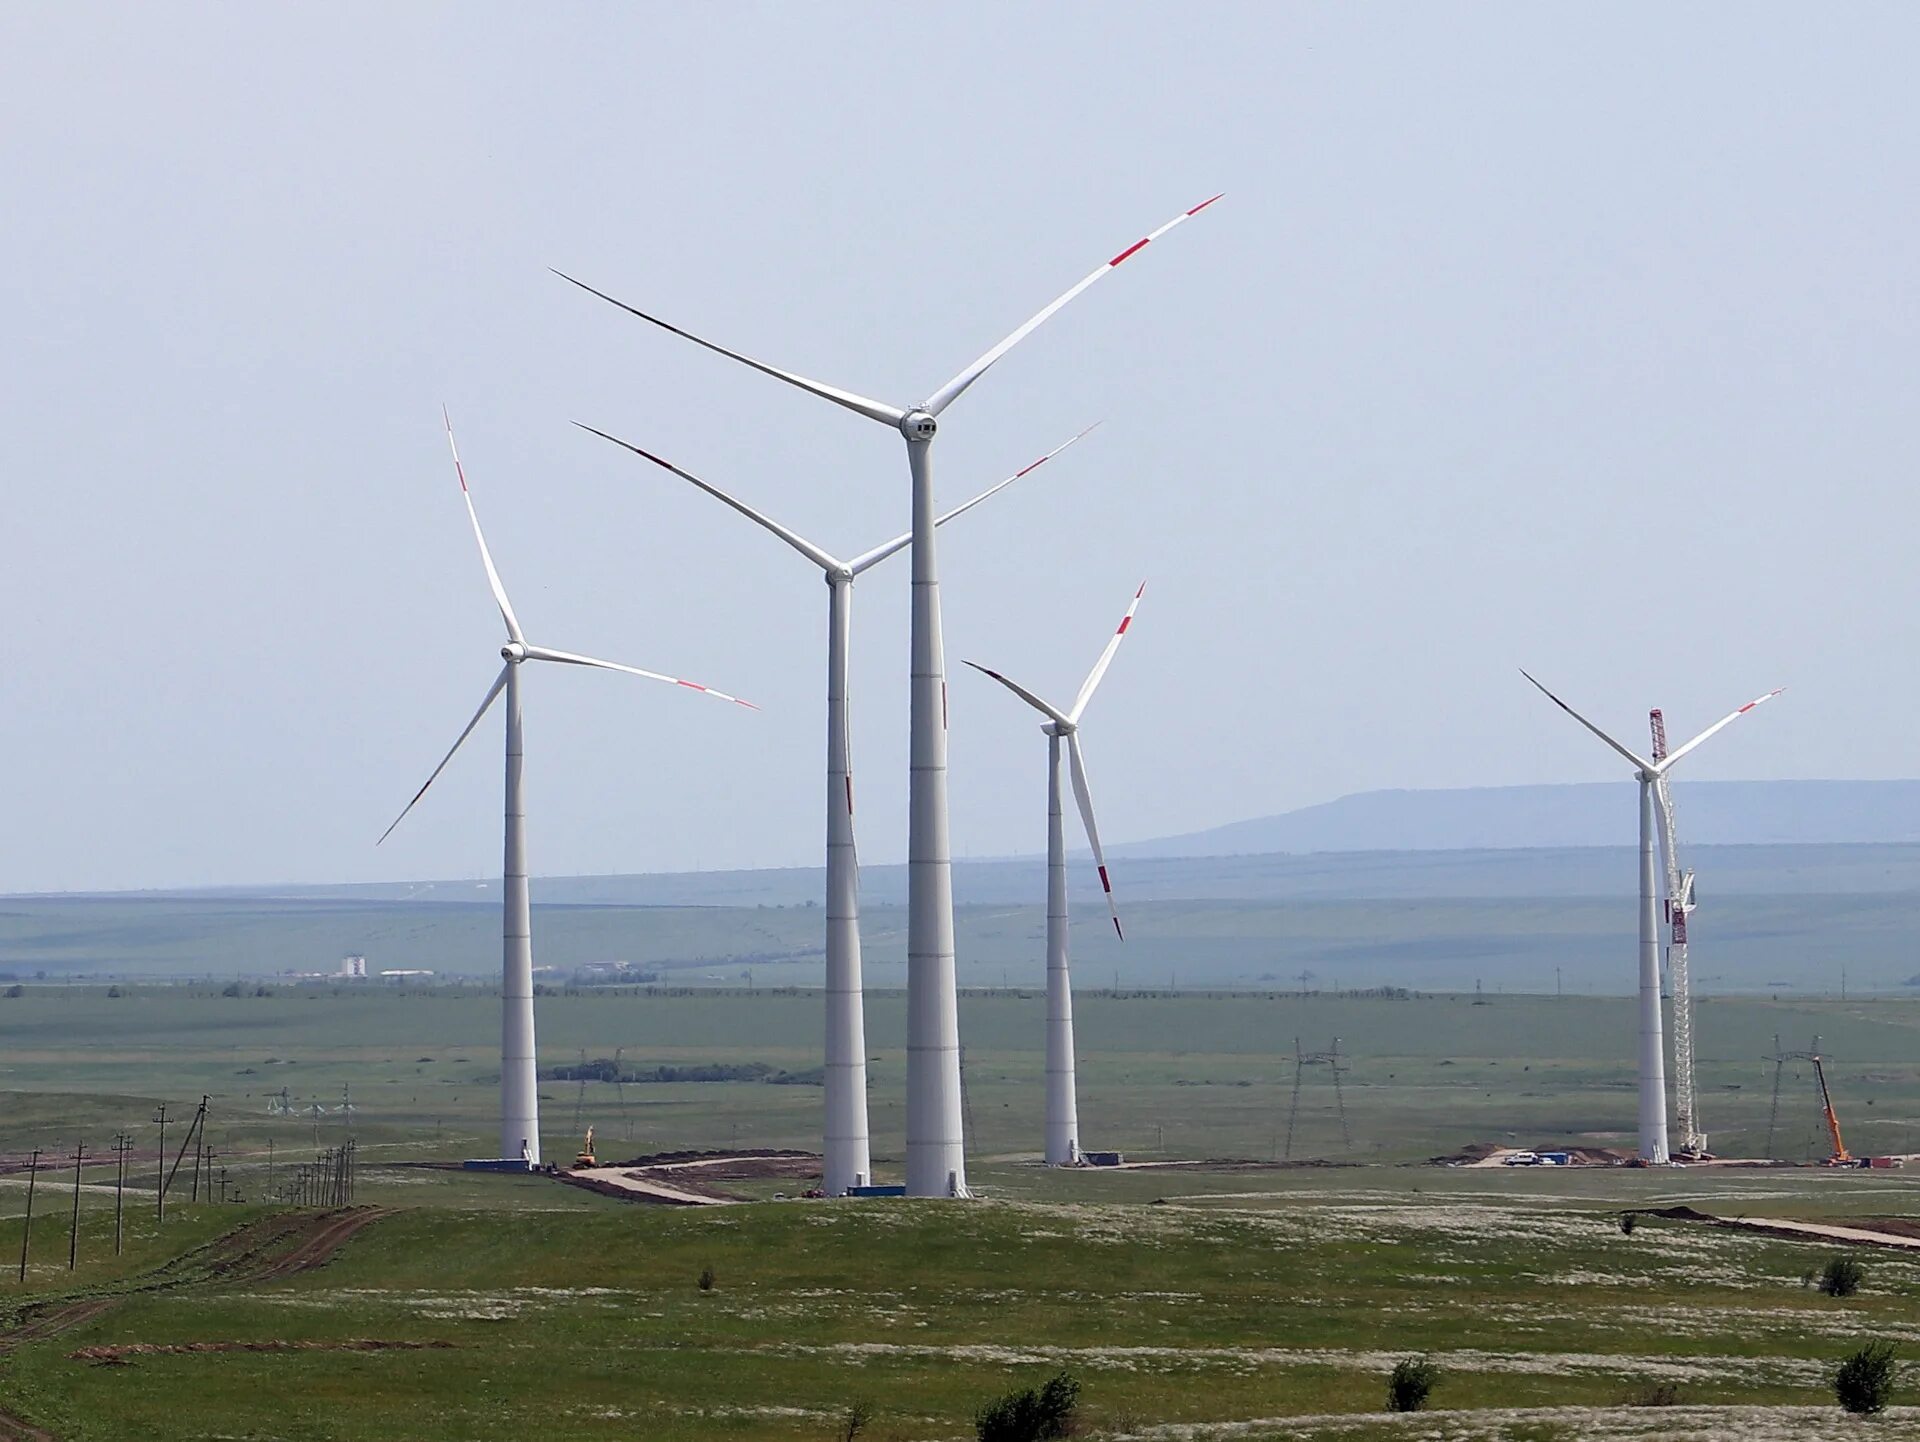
x: 1410, y: 1384
x: 1863, y: 1383
x: 707, y: 1279
x: 1628, y: 1221
x: 16, y: 990
x: 1655, y: 1394
x: 1842, y: 1276
x: 855, y: 1422
x: 1034, y: 1414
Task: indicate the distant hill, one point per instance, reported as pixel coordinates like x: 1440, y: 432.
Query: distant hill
x: 1730, y: 813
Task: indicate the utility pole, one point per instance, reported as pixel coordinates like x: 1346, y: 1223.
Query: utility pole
x: 73, y: 1234
x: 122, y: 1144
x: 160, y: 1177
x: 33, y: 1170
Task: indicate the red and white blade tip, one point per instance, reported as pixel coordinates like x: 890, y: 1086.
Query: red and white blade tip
x: 1144, y: 240
x: 1107, y: 886
x: 717, y: 695
x: 458, y: 469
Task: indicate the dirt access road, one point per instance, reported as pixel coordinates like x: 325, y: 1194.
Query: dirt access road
x: 266, y: 1250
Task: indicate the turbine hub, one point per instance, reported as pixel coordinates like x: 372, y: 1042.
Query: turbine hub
x: 513, y: 652
x: 917, y: 425
x: 1058, y: 728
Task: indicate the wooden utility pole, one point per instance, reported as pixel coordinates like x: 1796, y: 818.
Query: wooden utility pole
x: 160, y: 1177
x: 122, y: 1144
x: 33, y: 1170
x: 73, y: 1234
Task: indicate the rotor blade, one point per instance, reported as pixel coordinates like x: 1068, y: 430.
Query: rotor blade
x: 1106, y: 657
x: 1085, y: 797
x: 493, y: 693
x: 1639, y: 762
x: 486, y: 556
x: 1023, y: 693
x: 1726, y: 720
x: 1669, y: 837
x: 880, y: 553
x: 949, y: 392
x: 799, y: 543
x: 568, y: 658
x: 874, y: 410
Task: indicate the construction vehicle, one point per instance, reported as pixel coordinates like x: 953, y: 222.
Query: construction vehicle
x: 586, y: 1158
x: 1841, y: 1156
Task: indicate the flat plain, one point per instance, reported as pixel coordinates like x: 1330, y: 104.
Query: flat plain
x: 1244, y: 1301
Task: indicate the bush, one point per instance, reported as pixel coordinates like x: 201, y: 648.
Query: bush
x: 1842, y: 1276
x: 16, y: 990
x: 1863, y: 1383
x: 1030, y: 1415
x: 707, y: 1279
x: 855, y: 1422
x: 1410, y: 1384
x: 1628, y: 1221
x: 1655, y: 1394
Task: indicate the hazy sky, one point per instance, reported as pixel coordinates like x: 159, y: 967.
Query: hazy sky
x: 1574, y: 338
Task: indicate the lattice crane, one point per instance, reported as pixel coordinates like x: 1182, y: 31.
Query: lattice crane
x: 1679, y: 904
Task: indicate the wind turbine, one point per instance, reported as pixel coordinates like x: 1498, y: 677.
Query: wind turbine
x: 936, y: 1142
x: 1651, y: 773
x: 847, y: 1159
x: 519, y: 1096
x: 1063, y: 1109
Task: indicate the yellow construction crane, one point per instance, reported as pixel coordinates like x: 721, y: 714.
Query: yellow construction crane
x: 1841, y: 1156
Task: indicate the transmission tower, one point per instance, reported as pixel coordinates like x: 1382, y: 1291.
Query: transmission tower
x: 1331, y: 1059
x: 1780, y: 1059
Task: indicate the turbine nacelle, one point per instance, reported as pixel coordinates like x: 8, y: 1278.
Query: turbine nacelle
x: 918, y: 425
x: 1058, y: 728
x: 513, y: 653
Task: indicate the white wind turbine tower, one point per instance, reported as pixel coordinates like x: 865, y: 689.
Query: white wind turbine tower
x: 519, y: 1094
x: 1679, y: 905
x: 1651, y: 773
x: 936, y: 1143
x: 1063, y: 1107
x: 847, y: 1160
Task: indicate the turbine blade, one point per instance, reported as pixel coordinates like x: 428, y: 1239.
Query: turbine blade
x: 569, y: 658
x: 1640, y: 763
x: 486, y: 556
x: 1726, y: 720
x: 874, y: 410
x: 880, y: 553
x: 1084, y: 796
x: 493, y: 694
x: 950, y: 392
x: 799, y: 543
x: 1106, y: 657
x: 1052, y: 712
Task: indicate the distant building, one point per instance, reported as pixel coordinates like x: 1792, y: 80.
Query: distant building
x: 353, y: 968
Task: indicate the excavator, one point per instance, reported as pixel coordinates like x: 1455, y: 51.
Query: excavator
x: 586, y: 1159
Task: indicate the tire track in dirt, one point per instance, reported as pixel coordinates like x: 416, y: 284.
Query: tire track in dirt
x: 270, y: 1249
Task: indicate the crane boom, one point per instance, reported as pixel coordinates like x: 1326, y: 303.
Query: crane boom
x: 1679, y: 903
x: 1841, y: 1156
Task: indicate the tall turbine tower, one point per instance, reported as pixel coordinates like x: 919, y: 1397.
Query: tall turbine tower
x: 1679, y: 905
x: 1653, y: 1080
x: 1063, y: 1106
x: 936, y: 1143
x: 519, y: 1095
x: 846, y: 1155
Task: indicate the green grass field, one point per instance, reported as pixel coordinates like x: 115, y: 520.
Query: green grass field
x: 1245, y: 1304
